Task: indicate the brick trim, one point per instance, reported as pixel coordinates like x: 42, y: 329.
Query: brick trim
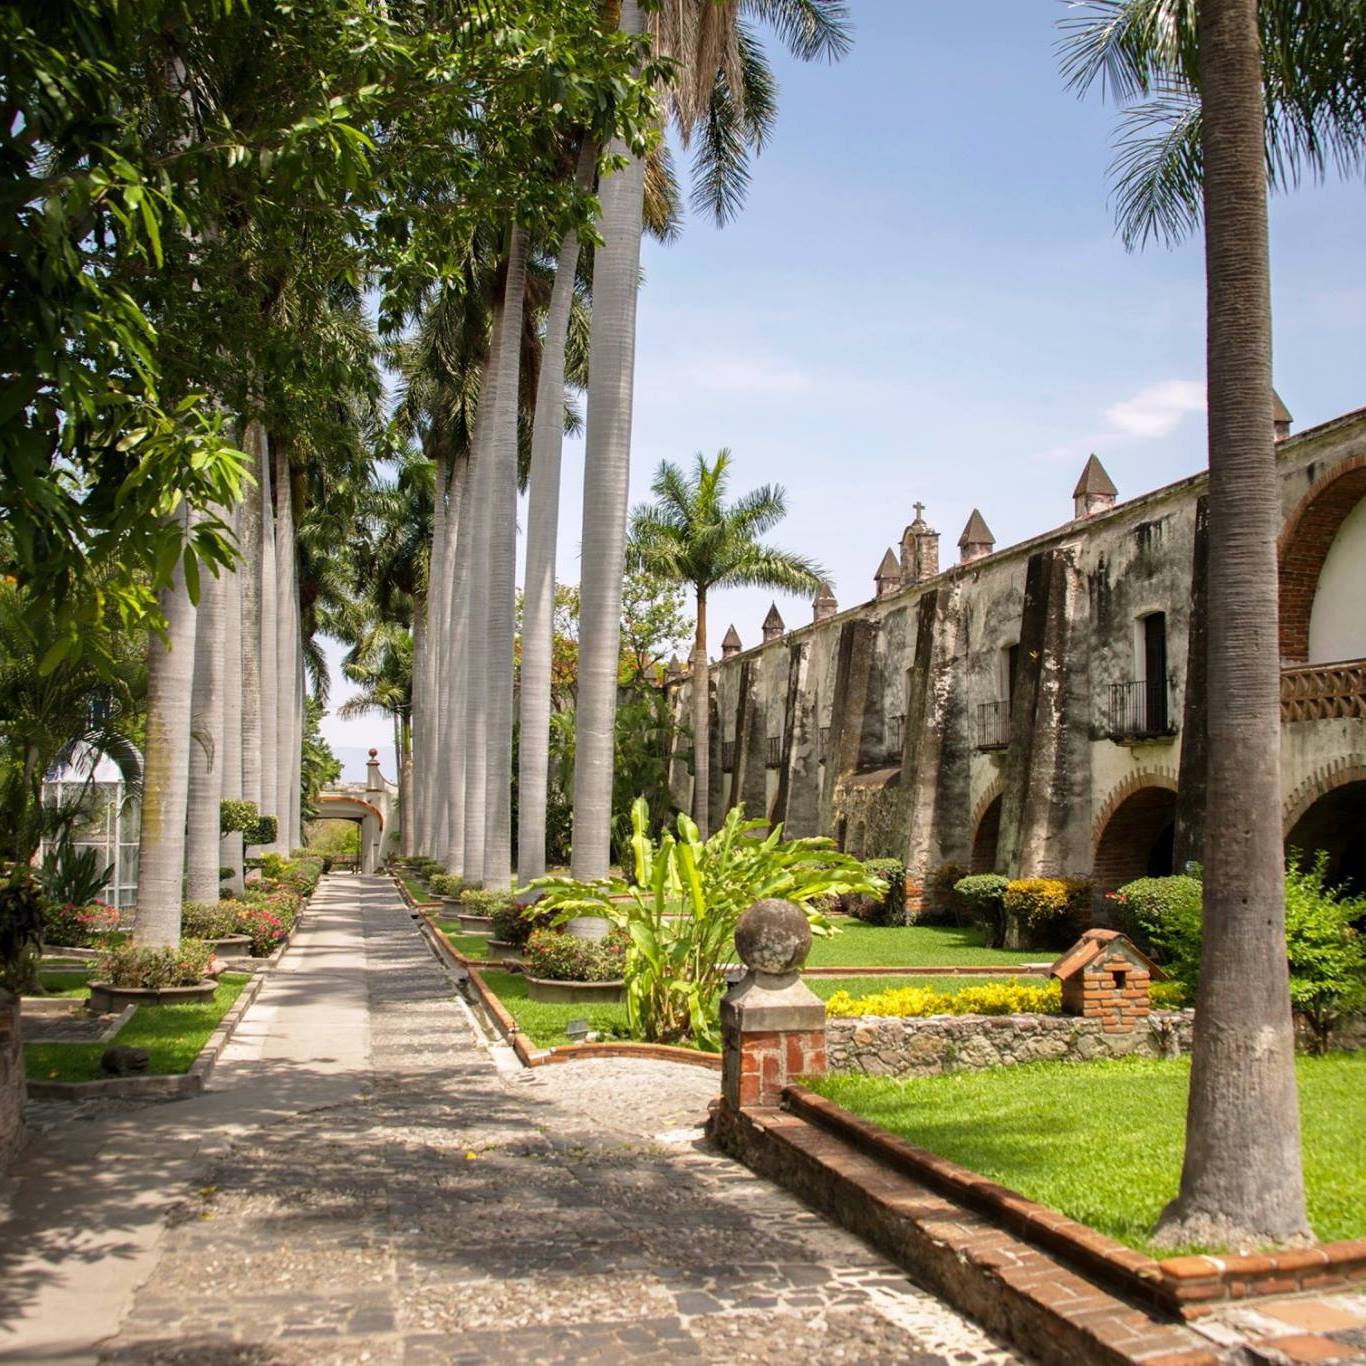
x: 1303, y: 544
x: 996, y: 788
x: 1347, y: 768
x: 1164, y: 778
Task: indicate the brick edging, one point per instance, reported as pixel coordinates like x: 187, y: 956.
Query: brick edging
x: 1185, y: 1286
x: 528, y: 1054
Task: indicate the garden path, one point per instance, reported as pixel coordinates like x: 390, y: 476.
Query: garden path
x: 364, y: 1182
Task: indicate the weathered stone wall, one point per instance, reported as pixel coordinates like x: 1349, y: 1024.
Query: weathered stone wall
x: 897, y: 686
x: 11, y: 1079
x: 883, y: 1046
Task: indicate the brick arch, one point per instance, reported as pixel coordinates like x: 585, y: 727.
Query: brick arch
x: 1303, y: 546
x: 1131, y: 829
x: 1161, y: 777
x: 989, y: 804
x: 1348, y: 768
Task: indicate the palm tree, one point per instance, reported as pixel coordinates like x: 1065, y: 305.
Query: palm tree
x: 724, y: 87
x: 1234, y: 101
x: 203, y: 836
x: 689, y: 535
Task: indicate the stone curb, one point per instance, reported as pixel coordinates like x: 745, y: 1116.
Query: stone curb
x: 168, y: 1087
x: 527, y: 1052
x: 1015, y: 1290
x: 1184, y: 1286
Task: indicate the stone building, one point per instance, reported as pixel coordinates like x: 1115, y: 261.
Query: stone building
x: 1039, y: 709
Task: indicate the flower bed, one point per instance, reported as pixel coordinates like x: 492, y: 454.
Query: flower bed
x: 76, y: 927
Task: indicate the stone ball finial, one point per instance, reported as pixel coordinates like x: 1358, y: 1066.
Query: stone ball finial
x: 773, y: 936
x: 374, y: 754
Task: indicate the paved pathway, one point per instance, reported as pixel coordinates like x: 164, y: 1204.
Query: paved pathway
x: 365, y: 1184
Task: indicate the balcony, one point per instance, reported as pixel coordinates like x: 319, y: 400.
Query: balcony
x: 1324, y: 692
x: 896, y: 736
x: 1141, y: 709
x: 993, y: 724
x: 728, y: 755
x: 775, y: 750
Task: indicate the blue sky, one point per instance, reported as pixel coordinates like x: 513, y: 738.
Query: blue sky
x: 924, y: 298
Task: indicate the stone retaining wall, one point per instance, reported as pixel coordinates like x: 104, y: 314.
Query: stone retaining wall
x: 11, y: 1079
x: 887, y: 1046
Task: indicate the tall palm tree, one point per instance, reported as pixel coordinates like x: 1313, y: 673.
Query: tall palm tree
x: 1245, y: 100
x: 202, y: 838
x: 691, y: 536
x: 722, y: 86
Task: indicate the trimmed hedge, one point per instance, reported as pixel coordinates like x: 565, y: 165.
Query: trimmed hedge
x: 996, y: 998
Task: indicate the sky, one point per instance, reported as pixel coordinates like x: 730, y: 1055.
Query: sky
x: 924, y: 298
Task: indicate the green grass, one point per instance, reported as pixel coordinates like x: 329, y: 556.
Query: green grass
x: 173, y: 1035
x: 417, y: 889
x: 826, y: 987
x: 544, y: 1021
x: 860, y: 945
x: 471, y: 945
x: 70, y: 983
x: 1102, y: 1141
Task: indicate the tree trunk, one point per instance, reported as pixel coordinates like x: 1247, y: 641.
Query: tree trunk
x: 701, y: 721
x: 538, y: 602
x: 166, y: 769
x: 474, y: 668
x: 453, y: 678
x: 1241, y: 1184
x: 501, y: 568
x: 249, y: 577
x: 433, y: 774
x: 418, y: 721
x: 270, y: 676
x: 606, y: 491
x: 230, y: 848
x: 286, y: 648
x: 202, y: 839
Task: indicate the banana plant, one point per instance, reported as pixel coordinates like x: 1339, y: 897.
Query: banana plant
x: 681, y: 905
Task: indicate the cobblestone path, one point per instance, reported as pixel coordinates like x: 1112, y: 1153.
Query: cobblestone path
x: 448, y: 1211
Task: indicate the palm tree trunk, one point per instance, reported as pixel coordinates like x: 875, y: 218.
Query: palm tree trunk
x: 1241, y: 1183
x: 206, y: 743
x: 249, y: 578
x: 538, y: 602
x: 701, y: 721
x: 286, y: 648
x: 451, y: 683
x: 403, y: 757
x: 501, y: 563
x: 166, y: 768
x: 434, y: 841
x: 606, y: 491
x: 419, y: 724
x: 230, y: 848
x: 270, y: 677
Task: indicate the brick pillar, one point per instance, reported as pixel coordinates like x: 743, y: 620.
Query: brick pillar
x: 772, y: 1024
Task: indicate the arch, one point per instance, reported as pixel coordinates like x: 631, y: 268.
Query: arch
x: 1349, y: 768
x: 1335, y: 822
x: 1134, y: 835
x: 986, y: 830
x: 338, y: 800
x: 1303, y: 546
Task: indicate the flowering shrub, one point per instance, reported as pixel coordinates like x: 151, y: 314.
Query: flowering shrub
x: 266, y: 928
x: 1045, y: 911
x: 997, y: 998
x: 209, y: 919
x: 561, y: 957
x: 514, y: 924
x: 71, y: 926
x: 126, y: 965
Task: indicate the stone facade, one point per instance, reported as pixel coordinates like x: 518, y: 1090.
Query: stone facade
x: 11, y: 1079
x: 883, y: 1046
x: 1037, y: 710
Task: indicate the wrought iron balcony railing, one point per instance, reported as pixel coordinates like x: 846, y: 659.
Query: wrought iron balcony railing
x: 1141, y: 709
x: 993, y: 724
x: 1324, y: 692
x: 775, y: 750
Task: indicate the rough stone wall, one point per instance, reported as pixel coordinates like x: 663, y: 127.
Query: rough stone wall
x: 934, y: 654
x: 883, y: 1046
x: 11, y: 1079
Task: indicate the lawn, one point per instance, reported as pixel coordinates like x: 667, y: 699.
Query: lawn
x: 860, y: 945
x: 417, y: 889
x: 543, y: 1021
x: 1102, y: 1141
x: 471, y: 945
x: 71, y: 983
x: 173, y: 1035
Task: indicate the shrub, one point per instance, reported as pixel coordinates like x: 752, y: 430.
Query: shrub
x: 265, y: 925
x: 885, y: 907
x: 209, y: 919
x: 443, y: 884
x: 1327, y: 954
x: 562, y: 957
x: 127, y: 965
x: 514, y: 924
x: 946, y: 902
x: 21, y: 929
x: 234, y: 814
x: 261, y: 831
x: 984, y: 896
x: 1013, y: 997
x: 476, y: 901
x: 77, y: 927
x: 1168, y: 995
x: 1162, y: 916
x: 1046, y: 911
x: 72, y: 875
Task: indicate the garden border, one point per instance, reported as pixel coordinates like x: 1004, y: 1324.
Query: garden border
x: 1185, y: 1286
x: 169, y: 1086
x: 522, y: 1045
x: 408, y: 896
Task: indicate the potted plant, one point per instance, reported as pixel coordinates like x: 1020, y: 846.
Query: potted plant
x: 175, y: 975
x: 215, y: 923
x: 560, y: 967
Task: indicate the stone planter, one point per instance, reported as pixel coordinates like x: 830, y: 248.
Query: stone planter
x: 476, y: 924
x: 590, y: 927
x: 500, y: 948
x: 105, y: 999
x: 450, y: 907
x: 232, y: 946
x: 575, y: 993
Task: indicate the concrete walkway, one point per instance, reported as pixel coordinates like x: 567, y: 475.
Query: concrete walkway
x: 363, y: 1183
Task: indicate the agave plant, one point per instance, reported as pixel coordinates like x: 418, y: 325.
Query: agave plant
x: 681, y: 906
